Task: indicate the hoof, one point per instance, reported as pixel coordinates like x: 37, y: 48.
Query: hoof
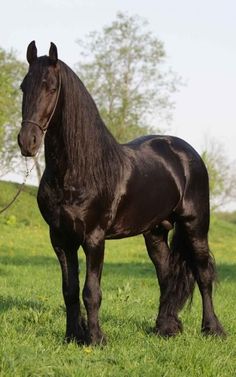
x: 80, y: 340
x: 213, y: 328
x: 97, y: 339
x: 79, y: 335
x: 167, y: 327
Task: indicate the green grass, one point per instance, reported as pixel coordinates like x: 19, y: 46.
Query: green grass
x: 32, y: 315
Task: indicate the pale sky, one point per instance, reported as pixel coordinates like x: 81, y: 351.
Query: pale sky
x: 199, y: 38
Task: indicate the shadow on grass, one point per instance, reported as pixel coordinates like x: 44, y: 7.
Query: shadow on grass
x: 133, y: 269
x: 143, y: 270
x: 226, y: 272
x: 9, y: 302
x: 35, y: 260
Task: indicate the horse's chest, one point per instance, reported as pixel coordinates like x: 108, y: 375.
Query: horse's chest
x: 49, y: 201
x: 67, y: 212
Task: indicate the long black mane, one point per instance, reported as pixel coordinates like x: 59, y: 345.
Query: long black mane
x: 93, y: 154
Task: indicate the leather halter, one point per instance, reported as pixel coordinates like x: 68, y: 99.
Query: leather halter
x: 45, y: 127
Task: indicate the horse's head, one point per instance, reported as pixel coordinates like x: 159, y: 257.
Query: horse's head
x: 41, y: 88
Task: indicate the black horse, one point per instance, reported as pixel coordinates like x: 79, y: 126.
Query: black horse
x: 94, y: 188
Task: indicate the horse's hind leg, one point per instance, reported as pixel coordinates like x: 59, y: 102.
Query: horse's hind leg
x: 204, y: 271
x: 167, y: 322
x: 175, y: 280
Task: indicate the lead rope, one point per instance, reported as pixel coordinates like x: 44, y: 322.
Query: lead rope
x: 27, y: 173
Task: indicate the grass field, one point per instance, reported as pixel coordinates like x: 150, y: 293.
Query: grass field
x: 32, y: 315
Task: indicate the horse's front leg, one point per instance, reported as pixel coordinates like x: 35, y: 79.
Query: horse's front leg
x: 66, y: 251
x: 92, y: 294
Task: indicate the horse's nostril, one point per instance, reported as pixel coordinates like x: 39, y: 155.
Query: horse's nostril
x: 19, y: 141
x: 34, y: 140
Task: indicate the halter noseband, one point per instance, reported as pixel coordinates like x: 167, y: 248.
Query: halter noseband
x: 45, y: 127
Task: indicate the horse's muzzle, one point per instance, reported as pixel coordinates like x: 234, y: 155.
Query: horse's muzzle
x: 24, y: 151
x: 29, y: 140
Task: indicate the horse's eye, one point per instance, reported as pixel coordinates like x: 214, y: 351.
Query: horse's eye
x: 52, y: 90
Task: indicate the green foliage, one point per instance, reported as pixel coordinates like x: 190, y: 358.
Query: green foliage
x: 122, y: 66
x: 227, y: 216
x: 11, y: 220
x: 222, y: 177
x: 32, y: 315
x: 24, y: 210
x: 11, y: 74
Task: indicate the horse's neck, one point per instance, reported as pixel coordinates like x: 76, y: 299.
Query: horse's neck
x: 55, y: 154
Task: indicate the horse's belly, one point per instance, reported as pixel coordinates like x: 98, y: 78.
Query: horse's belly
x: 142, y: 211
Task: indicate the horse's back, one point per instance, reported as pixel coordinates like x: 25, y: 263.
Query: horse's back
x: 158, y: 142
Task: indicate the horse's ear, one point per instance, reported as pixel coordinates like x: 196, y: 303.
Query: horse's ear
x: 31, y: 52
x: 53, y: 53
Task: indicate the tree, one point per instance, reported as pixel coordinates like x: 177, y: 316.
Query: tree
x: 222, y: 177
x: 11, y: 73
x: 123, y: 68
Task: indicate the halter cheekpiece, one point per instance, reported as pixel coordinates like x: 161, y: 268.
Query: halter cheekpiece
x: 45, y: 127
